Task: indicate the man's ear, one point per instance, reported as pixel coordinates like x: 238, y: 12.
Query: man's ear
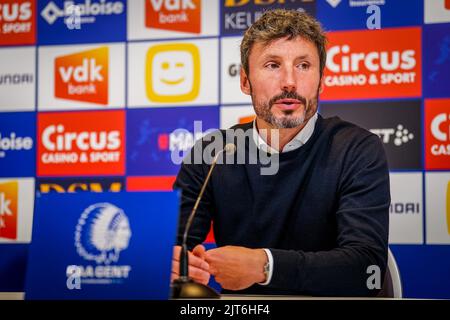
x: 245, y: 83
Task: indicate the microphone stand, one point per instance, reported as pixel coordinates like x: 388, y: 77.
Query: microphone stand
x: 184, y: 287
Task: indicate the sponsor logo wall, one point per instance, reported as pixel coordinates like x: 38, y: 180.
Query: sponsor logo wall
x: 104, y: 95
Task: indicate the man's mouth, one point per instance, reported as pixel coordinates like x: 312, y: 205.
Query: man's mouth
x: 288, y: 104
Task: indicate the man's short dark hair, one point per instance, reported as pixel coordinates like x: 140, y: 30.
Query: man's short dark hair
x: 280, y: 23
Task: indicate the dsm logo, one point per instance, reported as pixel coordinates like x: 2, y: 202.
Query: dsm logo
x: 102, y: 232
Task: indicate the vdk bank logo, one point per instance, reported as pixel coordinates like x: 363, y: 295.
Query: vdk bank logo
x: 83, y: 76
x: 8, y: 210
x: 181, y: 15
x: 173, y: 72
x: 87, y: 11
x: 17, y: 25
x: 102, y: 232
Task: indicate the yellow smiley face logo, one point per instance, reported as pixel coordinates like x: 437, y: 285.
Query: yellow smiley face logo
x: 173, y: 73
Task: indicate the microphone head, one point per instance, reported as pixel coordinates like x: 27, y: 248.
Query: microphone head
x: 230, y: 148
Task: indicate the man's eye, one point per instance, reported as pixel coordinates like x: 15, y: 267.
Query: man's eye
x: 304, y: 66
x: 272, y: 65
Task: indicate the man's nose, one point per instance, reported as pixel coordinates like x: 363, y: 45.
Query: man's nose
x: 288, y: 82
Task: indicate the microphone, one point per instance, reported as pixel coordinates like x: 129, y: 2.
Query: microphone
x: 184, y: 286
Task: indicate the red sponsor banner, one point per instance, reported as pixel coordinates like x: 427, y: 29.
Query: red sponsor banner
x: 437, y: 136
x: 154, y: 183
x: 83, y: 76
x: 9, y: 192
x: 81, y: 143
x: 181, y: 16
x: 17, y: 22
x: 373, y: 64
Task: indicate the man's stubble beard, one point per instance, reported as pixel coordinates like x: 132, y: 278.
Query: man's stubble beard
x: 263, y: 110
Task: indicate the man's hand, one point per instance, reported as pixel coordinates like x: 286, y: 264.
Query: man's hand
x: 198, y: 267
x: 236, y: 268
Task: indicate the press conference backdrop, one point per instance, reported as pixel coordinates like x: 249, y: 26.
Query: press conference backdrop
x: 97, y: 96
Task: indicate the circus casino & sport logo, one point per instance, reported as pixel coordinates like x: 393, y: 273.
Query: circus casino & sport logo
x: 103, y: 231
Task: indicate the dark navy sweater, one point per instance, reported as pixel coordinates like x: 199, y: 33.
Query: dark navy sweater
x: 324, y: 215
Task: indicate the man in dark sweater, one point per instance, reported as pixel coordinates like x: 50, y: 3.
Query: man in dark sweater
x: 316, y: 224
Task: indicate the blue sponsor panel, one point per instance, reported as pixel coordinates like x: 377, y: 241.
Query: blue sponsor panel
x: 81, y: 21
x: 106, y: 246
x: 13, y: 264
x: 353, y: 14
x: 238, y: 15
x: 17, y: 144
x: 158, y: 139
x: 424, y: 270
x: 436, y: 60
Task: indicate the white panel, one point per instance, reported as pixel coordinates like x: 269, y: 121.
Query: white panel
x: 406, y: 211
x: 229, y: 116
x: 437, y: 186
x: 25, y: 203
x: 17, y: 79
x: 138, y: 31
x: 231, y: 62
x: 157, y: 53
x: 435, y: 11
x: 116, y: 81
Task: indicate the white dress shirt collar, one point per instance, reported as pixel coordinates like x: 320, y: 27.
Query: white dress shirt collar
x: 299, y: 140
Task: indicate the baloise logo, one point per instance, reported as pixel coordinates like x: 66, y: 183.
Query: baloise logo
x: 13, y: 142
x: 87, y: 11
